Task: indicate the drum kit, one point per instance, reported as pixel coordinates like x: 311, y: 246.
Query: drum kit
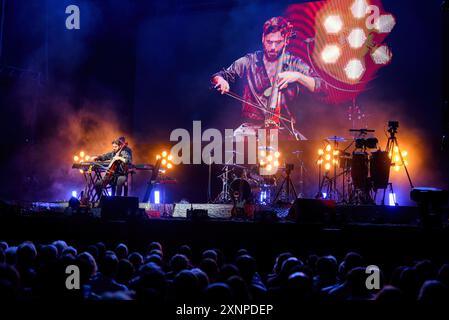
x: 351, y: 171
x: 243, y: 184
x: 355, y: 177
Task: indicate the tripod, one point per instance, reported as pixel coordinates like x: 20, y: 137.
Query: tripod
x: 392, y: 143
x: 224, y: 196
x: 289, y: 187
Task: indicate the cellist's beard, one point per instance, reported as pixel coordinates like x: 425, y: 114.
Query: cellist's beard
x: 272, y: 56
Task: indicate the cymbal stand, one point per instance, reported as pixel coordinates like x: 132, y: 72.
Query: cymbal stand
x: 332, y: 192
x: 224, y: 196
x: 302, y: 171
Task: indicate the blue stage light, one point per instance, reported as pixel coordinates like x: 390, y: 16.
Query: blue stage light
x: 392, y: 199
x: 157, y: 197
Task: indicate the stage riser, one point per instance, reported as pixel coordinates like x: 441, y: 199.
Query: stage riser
x: 396, y: 215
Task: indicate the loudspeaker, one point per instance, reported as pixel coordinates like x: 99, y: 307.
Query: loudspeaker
x: 313, y: 211
x: 197, y: 214
x: 430, y: 203
x: 119, y: 208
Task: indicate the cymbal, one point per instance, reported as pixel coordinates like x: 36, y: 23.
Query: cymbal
x: 336, y: 139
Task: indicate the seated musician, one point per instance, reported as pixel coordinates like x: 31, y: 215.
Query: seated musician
x: 120, y: 176
x: 257, y: 72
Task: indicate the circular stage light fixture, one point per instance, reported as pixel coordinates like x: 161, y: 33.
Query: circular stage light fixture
x: 354, y: 69
x: 333, y: 24
x: 330, y: 53
x: 359, y: 8
x: 356, y: 38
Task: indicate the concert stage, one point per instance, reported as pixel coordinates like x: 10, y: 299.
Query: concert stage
x: 380, y: 232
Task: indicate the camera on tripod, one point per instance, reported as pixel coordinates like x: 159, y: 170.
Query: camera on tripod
x: 393, y: 126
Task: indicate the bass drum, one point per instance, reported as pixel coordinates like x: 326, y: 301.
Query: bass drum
x: 380, y: 164
x: 359, y: 170
x: 244, y: 190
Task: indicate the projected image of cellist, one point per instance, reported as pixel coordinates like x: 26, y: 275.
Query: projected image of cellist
x: 272, y: 79
x: 117, y: 173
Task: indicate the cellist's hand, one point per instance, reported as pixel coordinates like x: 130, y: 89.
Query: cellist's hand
x: 287, y: 77
x: 221, y: 84
x: 118, y: 158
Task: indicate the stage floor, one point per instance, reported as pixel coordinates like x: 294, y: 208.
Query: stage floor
x: 383, y: 234
x: 312, y: 209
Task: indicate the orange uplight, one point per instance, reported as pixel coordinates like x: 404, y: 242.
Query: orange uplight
x: 166, y: 160
x: 399, y: 158
x: 269, y: 161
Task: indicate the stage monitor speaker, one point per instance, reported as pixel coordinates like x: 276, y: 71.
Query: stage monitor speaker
x: 119, y: 208
x: 313, y: 211
x: 197, y: 214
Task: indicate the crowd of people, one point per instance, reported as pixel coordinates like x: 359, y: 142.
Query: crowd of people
x: 30, y: 271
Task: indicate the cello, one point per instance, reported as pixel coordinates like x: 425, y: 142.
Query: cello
x: 273, y: 93
x: 112, y: 167
x: 272, y: 109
